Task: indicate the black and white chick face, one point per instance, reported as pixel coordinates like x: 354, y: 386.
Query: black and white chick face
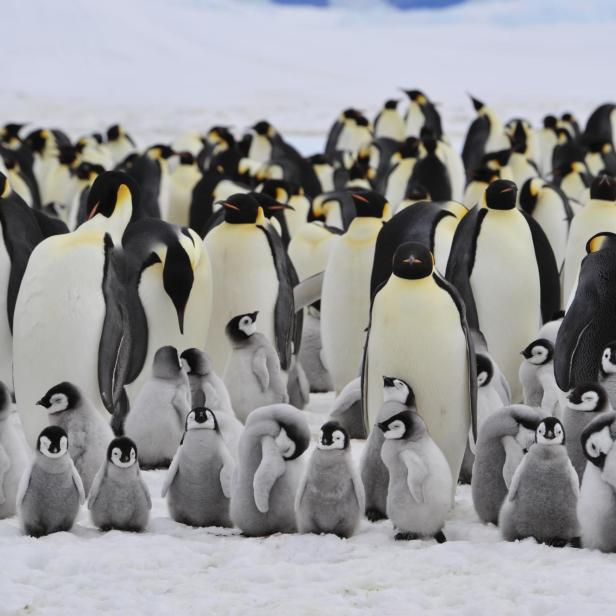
x: 122, y: 452
x: 242, y: 326
x: 397, y: 390
x: 286, y: 445
x: 550, y: 432
x: 63, y: 397
x: 332, y: 436
x: 525, y: 435
x: 539, y: 352
x: 589, y: 397
x: 52, y: 442
x: 404, y: 425
x: 201, y: 418
x: 608, y: 360
x: 485, y: 370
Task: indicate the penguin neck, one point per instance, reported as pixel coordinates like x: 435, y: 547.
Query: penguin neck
x: 254, y: 340
x: 197, y: 442
x: 53, y: 466
x: 417, y: 283
x: 602, y: 204
x: 121, y: 474
x: 363, y: 229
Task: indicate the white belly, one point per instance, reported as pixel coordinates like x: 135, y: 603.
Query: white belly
x: 416, y: 335
x: 397, y: 182
x: 550, y: 215
x: 505, y: 284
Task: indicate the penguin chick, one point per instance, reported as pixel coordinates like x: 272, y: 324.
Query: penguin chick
x: 14, y: 456
x: 542, y: 500
x: 330, y: 498
x: 156, y: 420
x: 420, y: 483
x: 119, y: 498
x: 583, y: 404
x: 88, y: 433
x: 269, y: 470
x: 347, y: 409
x: 537, y: 376
x: 607, y: 373
x: 253, y: 375
x: 198, y: 483
x: 503, y: 440
x: 50, y: 491
x: 205, y: 384
x: 597, y: 502
x: 398, y: 397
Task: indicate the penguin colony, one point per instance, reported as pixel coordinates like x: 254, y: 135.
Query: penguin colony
x: 173, y: 307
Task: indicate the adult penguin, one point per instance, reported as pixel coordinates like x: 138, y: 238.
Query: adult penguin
x: 388, y: 122
x: 336, y: 209
x: 421, y: 115
x: 500, y: 255
x: 119, y: 143
x: 20, y: 234
x: 418, y: 332
x: 589, y: 323
x: 431, y: 173
x: 597, y: 216
x: 430, y: 223
x: 345, y: 122
x: 345, y: 296
x: 251, y: 271
x: 601, y: 125
x: 395, y: 181
x: 61, y: 325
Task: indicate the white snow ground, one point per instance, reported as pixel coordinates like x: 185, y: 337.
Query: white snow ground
x: 163, y: 67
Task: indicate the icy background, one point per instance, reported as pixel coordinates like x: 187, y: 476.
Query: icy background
x: 163, y: 67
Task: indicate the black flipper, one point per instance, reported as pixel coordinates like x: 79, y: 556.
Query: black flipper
x: 475, y: 144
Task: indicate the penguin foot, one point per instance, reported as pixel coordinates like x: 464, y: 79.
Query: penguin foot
x: 557, y: 542
x: 440, y: 537
x: 576, y: 542
x: 406, y: 537
x: 374, y: 515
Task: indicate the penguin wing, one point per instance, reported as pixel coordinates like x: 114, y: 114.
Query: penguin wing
x: 515, y: 481
x: 24, y: 484
x: 331, y: 145
x: 573, y: 478
x: 416, y: 473
x: 308, y: 290
x: 96, y: 485
x: 171, y: 473
x: 475, y: 143
x: 301, y: 488
x: 272, y: 467
x: 5, y: 465
x: 180, y: 402
x: 146, y: 491
x: 227, y: 471
x: 513, y: 459
x: 78, y: 483
x: 358, y: 489
x: 259, y: 368
x: 549, y: 279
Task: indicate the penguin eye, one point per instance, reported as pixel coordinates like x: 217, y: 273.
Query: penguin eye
x: 132, y: 454
x: 558, y: 429
x: 541, y: 429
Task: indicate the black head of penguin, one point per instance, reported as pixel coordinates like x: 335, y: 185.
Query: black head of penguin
x: 550, y: 122
x: 412, y: 261
x: 200, y: 415
x: 10, y: 132
x: 501, y: 195
x: 67, y: 155
x: 122, y: 451
x: 406, y: 425
x: 197, y: 361
x: 186, y: 158
x: 603, y: 187
x: 477, y: 104
x: 601, y: 241
x: 539, y: 352
x: 63, y: 395
x: 103, y: 195
x: 161, y: 150
x: 242, y: 209
x: 485, y: 370
x: 496, y: 160
x: 597, y: 438
x: 369, y: 204
x: 166, y: 363
x: 409, y: 148
x: 550, y: 432
x: 333, y: 436
x: 280, y: 190
x: 300, y: 438
x: 114, y: 132
x: 362, y: 120
x: 417, y: 96
x: 529, y: 193
x: 242, y: 326
x: 51, y: 440
x: 391, y: 104
x: 264, y: 128
x: 588, y: 397
x: 608, y: 360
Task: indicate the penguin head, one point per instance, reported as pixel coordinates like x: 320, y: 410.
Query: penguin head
x: 405, y: 425
x: 477, y: 104
x: 501, y: 195
x: 62, y: 397
x: 52, y: 442
x: 112, y: 192
x: 413, y: 261
x: 243, y: 208
x: 370, y: 204
x: 590, y: 397
x: 397, y: 390
x: 270, y: 206
x: 601, y: 241
x: 550, y: 122
x: 608, y: 359
x: 264, y: 128
x: 37, y: 140
x: 333, y: 436
x: 603, y: 187
x: 392, y: 104
x: 529, y: 193
x: 9, y: 134
x: 243, y: 326
x: 550, y: 432
x: 279, y: 190
x: 166, y: 363
x: 539, y: 352
x: 122, y: 452
x: 160, y: 151
x: 527, y: 423
x: 597, y: 438
x: 485, y: 370
x: 417, y: 96
x: 201, y: 418
x: 195, y: 361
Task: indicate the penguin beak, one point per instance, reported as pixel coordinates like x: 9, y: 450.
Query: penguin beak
x: 41, y: 402
x: 281, y: 206
x: 94, y: 210
x: 230, y: 206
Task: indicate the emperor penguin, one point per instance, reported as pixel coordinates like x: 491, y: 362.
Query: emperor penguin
x: 269, y: 470
x: 119, y: 498
x: 550, y: 207
x: 119, y: 143
x: 345, y: 296
x: 495, y: 239
x: 582, y: 405
x: 88, y: 433
x: 421, y: 114
x: 397, y: 397
x: 205, y: 384
x: 607, y: 373
x: 338, y: 137
x: 258, y: 276
x: 50, y: 490
x: 598, y: 216
x: 544, y: 490
x: 198, y: 483
x: 388, y: 122
x: 597, y: 501
x: 14, y: 456
x: 395, y: 183
x: 601, y: 125
x: 330, y: 497
x: 20, y: 235
x: 418, y: 330
x: 536, y: 376
x: 503, y: 440
x: 156, y: 419
x: 431, y: 173
x: 252, y: 375
x: 182, y: 181
x: 574, y: 180
x: 420, y: 482
x: 76, y: 336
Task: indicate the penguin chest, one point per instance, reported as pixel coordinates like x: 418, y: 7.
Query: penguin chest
x: 549, y: 213
x: 398, y: 180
